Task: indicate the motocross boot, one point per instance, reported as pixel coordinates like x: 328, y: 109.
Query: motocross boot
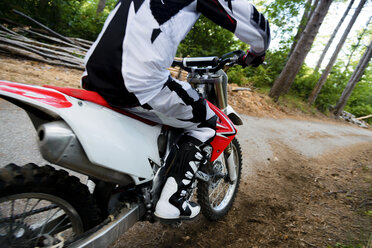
x: 174, y: 201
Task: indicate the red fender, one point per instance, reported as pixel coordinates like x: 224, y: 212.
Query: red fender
x: 40, y: 94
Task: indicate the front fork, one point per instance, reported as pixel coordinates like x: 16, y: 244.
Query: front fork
x: 230, y: 163
x: 230, y: 167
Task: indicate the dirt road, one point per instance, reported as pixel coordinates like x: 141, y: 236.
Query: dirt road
x: 304, y: 184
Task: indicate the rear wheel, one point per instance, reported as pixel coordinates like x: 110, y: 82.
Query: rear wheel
x: 217, y: 196
x: 41, y: 206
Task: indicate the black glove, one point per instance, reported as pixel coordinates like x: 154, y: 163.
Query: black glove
x: 251, y: 59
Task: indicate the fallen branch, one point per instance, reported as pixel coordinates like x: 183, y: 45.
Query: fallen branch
x: 10, y: 21
x: 241, y: 89
x: 54, y: 39
x: 364, y: 117
x: 83, y: 43
x: 30, y: 55
x: 32, y: 49
x: 8, y: 30
x: 45, y: 27
x: 40, y: 44
x: 88, y: 42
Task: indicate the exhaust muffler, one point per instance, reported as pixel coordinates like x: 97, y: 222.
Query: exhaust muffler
x: 59, y: 145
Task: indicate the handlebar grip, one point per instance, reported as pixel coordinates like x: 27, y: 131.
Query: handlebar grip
x: 176, y: 63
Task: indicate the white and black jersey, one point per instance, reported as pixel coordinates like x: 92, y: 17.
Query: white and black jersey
x: 128, y: 62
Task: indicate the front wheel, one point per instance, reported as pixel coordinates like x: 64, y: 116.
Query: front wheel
x: 216, y: 197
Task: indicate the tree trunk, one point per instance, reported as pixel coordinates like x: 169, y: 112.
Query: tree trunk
x: 101, y: 6
x: 357, y: 44
x: 304, y: 20
x: 358, y: 73
x: 287, y: 76
x: 333, y: 36
x: 314, y: 6
x: 314, y: 94
x: 309, y: 11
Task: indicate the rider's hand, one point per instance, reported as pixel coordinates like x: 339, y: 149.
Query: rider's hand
x: 251, y: 59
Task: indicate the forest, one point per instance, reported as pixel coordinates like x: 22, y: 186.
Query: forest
x: 320, y: 51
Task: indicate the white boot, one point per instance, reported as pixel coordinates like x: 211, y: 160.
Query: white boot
x: 172, y: 204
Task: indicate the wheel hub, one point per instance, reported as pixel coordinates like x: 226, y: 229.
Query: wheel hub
x: 15, y: 234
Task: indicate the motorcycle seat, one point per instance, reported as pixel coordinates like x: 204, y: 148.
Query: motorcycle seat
x: 96, y: 98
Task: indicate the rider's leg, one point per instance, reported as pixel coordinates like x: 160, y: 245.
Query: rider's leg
x: 189, y: 154
x: 178, y: 105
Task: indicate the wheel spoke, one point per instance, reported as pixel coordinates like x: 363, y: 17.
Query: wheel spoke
x: 24, y: 210
x: 63, y: 219
x: 51, y: 227
x: 218, y: 190
x: 62, y: 228
x: 218, y: 195
x: 37, y: 203
x: 213, y: 191
x: 29, y: 213
x: 66, y: 226
x: 11, y: 222
x: 46, y: 221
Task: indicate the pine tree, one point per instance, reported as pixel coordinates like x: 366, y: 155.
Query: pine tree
x: 314, y: 94
x: 333, y: 36
x: 358, y: 73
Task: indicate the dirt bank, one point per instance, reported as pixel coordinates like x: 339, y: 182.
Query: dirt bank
x: 295, y: 202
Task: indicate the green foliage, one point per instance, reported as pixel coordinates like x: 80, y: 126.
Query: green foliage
x: 262, y: 76
x: 208, y: 39
x: 238, y: 76
x: 360, y: 101
x: 284, y: 18
x: 331, y: 90
x: 305, y: 82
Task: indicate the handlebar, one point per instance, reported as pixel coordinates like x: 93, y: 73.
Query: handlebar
x: 209, y: 64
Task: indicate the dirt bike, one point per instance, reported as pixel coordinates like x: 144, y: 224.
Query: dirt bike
x: 123, y: 157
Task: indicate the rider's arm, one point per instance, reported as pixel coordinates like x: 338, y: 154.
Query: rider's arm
x: 241, y: 18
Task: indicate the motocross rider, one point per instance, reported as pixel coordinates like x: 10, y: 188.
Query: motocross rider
x: 127, y: 65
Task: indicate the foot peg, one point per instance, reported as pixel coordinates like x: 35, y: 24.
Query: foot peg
x: 202, y: 176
